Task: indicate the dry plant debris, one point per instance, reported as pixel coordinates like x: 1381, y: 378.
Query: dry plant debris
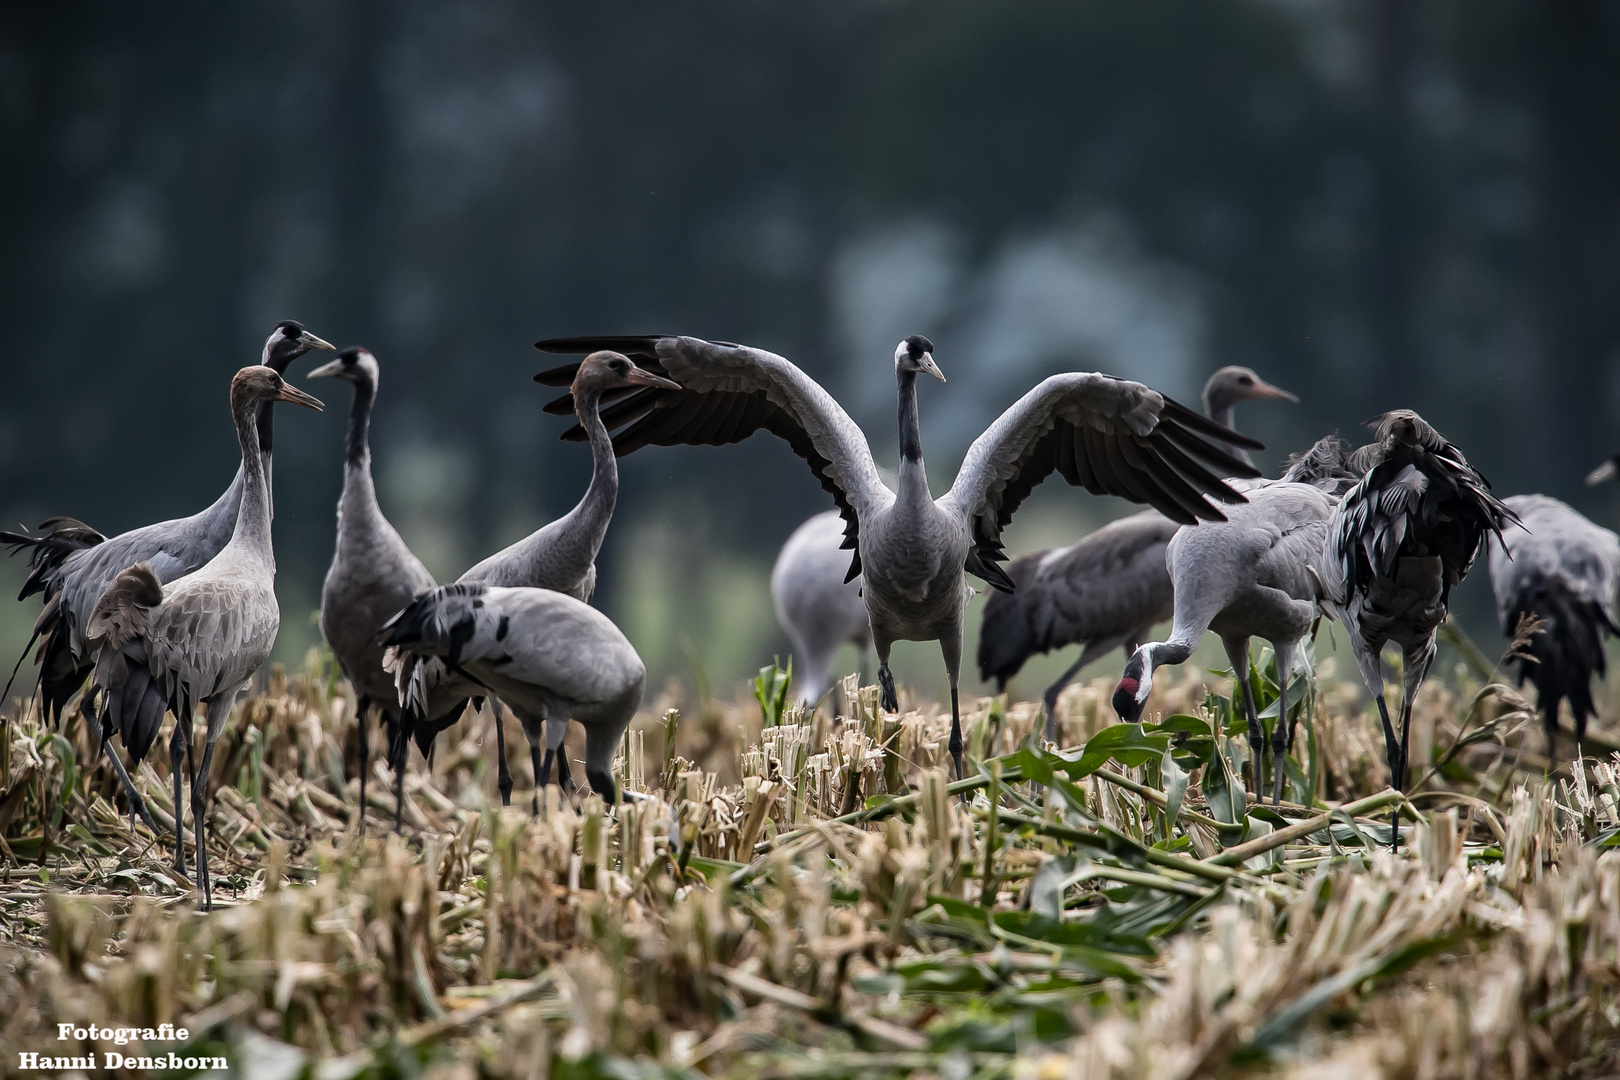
x: 815, y: 899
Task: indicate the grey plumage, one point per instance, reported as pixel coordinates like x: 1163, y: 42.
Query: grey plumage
x: 200, y: 638
x: 816, y: 607
x: 545, y: 654
x: 372, y: 576
x: 1252, y: 575
x: 71, y: 564
x: 560, y: 556
x: 1108, y: 435
x: 1557, y: 566
x: 1399, y: 541
x: 1105, y: 591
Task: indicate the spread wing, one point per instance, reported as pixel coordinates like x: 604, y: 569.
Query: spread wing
x: 727, y: 393
x: 1110, y: 436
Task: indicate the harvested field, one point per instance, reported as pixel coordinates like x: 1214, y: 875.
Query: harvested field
x: 811, y: 900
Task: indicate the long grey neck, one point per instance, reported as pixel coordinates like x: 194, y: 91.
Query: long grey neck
x: 359, y: 493
x: 1219, y: 409
x: 595, y: 510
x: 913, y: 474
x: 253, y: 516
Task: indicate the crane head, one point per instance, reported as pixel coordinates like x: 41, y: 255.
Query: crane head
x: 287, y: 342
x: 609, y: 370
x: 916, y: 354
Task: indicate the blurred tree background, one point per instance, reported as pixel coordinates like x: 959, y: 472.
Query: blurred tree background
x: 1378, y: 204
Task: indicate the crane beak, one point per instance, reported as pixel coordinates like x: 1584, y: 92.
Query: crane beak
x: 643, y: 377
x: 1265, y: 391
x: 928, y: 365
x: 298, y: 397
x: 328, y: 370
x: 310, y: 341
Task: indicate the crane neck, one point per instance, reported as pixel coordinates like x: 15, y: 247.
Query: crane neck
x: 253, y: 515
x: 358, y: 455
x: 596, y: 508
x: 913, y: 474
x: 1219, y: 408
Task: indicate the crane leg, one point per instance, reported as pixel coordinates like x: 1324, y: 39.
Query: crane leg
x: 503, y: 774
x: 1237, y: 651
x: 541, y: 778
x: 399, y: 748
x: 363, y: 749
x: 176, y: 754
x: 137, y: 805
x: 1282, y: 735
x: 199, y: 826
x: 1397, y: 769
x: 950, y: 645
x: 889, y: 699
x: 556, y: 732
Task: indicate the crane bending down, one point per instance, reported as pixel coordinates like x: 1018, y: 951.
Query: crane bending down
x: 560, y: 556
x: 1399, y: 542
x: 816, y: 607
x: 1557, y: 566
x: 1110, y: 435
x: 372, y: 576
x: 1107, y: 590
x: 1253, y: 575
x: 546, y: 654
x: 200, y: 638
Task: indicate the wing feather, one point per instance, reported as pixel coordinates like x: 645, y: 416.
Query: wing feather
x: 1101, y: 433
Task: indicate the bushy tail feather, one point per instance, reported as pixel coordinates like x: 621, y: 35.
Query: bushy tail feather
x: 62, y: 536
x: 1006, y: 639
x: 1568, y: 649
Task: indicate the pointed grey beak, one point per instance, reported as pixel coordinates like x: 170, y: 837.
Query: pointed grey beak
x: 310, y: 341
x: 291, y: 393
x: 328, y: 370
x: 643, y: 377
x: 1264, y: 390
x: 928, y: 365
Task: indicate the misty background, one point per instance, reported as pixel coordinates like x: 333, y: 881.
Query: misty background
x: 1390, y: 203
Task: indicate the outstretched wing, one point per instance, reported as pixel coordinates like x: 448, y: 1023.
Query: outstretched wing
x: 1110, y: 436
x: 727, y: 393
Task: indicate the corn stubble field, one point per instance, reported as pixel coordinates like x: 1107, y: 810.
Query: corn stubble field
x: 795, y: 898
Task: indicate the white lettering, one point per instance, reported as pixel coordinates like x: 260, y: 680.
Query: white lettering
x: 64, y: 1031
x: 27, y: 1059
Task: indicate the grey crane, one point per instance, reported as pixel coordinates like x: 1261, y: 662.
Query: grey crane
x: 372, y: 576
x: 1399, y: 541
x: 560, y: 556
x: 71, y: 564
x: 200, y: 638
x: 547, y: 655
x: 816, y: 607
x: 1559, y: 567
x: 1104, y: 591
x: 1110, y: 435
x: 1253, y: 575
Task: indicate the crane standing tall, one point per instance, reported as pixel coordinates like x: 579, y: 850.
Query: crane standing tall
x: 1110, y: 435
x: 199, y: 639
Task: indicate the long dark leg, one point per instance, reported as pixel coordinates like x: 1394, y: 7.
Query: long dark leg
x: 361, y: 715
x: 950, y: 646
x: 400, y: 750
x: 137, y: 805
x: 196, y: 822
x: 199, y: 825
x: 1237, y: 651
x: 176, y: 755
x: 1050, y: 698
x: 542, y: 775
x: 1282, y: 736
x: 503, y: 775
x: 1397, y: 769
